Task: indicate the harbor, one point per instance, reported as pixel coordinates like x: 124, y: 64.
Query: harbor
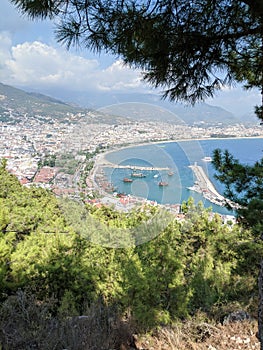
x: 123, y: 170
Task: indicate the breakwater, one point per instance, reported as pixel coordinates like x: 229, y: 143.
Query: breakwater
x: 108, y: 164
x: 204, y: 186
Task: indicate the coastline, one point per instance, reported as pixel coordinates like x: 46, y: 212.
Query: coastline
x: 104, y: 154
x: 101, y: 162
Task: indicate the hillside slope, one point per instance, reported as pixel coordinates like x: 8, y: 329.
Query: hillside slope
x: 24, y: 102
x: 16, y: 103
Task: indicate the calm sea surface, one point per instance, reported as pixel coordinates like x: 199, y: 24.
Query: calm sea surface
x: 176, y: 156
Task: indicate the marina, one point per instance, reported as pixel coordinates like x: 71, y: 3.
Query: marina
x: 177, y: 157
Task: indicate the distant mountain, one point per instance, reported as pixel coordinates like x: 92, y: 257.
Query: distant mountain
x: 249, y: 118
x: 124, y: 105
x: 201, y: 114
x: 113, y: 108
x: 46, y: 98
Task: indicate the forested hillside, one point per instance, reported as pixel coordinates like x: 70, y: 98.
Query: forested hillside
x: 51, y: 272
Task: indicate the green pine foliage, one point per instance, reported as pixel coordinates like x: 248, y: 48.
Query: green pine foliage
x: 194, y: 265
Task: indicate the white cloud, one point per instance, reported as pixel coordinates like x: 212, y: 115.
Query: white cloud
x: 5, y: 55
x: 119, y: 77
x: 38, y: 65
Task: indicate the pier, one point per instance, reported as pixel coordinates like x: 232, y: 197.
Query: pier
x: 204, y: 186
x: 133, y: 167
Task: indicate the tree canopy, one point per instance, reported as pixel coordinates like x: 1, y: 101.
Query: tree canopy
x: 244, y: 185
x: 188, y: 48
x: 194, y: 265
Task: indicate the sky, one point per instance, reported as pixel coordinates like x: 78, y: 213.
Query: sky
x: 31, y: 59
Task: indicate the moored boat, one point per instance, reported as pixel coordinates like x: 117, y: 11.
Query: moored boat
x: 126, y: 179
x: 163, y: 183
x: 138, y: 174
x: 207, y: 159
x: 121, y: 195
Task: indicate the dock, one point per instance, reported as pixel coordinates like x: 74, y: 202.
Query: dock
x: 133, y: 167
x: 204, y: 186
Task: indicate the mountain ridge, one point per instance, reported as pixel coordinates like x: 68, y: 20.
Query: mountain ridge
x: 118, y: 106
x: 199, y: 114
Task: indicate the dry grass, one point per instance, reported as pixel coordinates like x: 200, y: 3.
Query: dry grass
x: 26, y: 324
x: 234, y: 336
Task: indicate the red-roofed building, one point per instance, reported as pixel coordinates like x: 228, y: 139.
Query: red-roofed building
x: 45, y: 174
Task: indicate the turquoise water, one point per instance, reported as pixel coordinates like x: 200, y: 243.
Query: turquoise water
x: 176, y: 156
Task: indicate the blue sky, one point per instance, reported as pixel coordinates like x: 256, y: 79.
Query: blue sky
x: 30, y: 58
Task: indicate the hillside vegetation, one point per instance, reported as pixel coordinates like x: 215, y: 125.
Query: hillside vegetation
x: 52, y: 272
x: 17, y: 104
x: 34, y: 104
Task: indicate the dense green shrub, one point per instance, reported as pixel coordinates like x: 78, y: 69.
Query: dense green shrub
x: 196, y: 265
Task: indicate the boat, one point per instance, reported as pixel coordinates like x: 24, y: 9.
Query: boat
x: 163, y: 183
x: 138, y: 175
x: 121, y: 195
x: 170, y: 173
x: 207, y: 159
x: 126, y: 179
x: 156, y: 175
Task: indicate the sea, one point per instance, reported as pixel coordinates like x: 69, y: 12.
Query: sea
x: 176, y: 156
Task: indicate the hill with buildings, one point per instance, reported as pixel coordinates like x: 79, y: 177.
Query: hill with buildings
x: 15, y: 104
x: 23, y: 102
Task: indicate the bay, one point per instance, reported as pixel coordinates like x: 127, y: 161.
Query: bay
x: 176, y: 156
